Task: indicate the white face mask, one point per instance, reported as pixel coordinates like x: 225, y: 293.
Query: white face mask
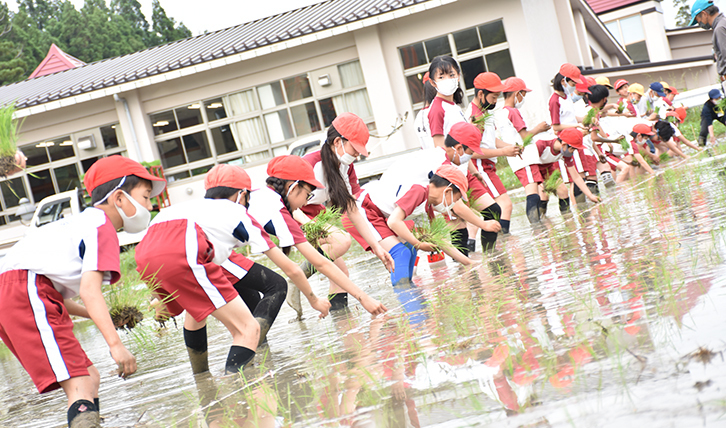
x: 575, y: 98
x: 569, y: 90
x: 447, y: 87
x: 345, y: 158
x: 464, y: 159
x: 137, y: 222
x: 519, y: 104
x: 442, y: 208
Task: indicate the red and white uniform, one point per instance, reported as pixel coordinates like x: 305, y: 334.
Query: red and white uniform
x: 377, y: 202
x: 443, y: 115
x: 562, y: 110
x: 628, y: 105
x: 185, y: 246
x: 423, y: 129
x: 320, y: 196
x: 547, y: 163
x: 488, y: 167
x: 39, y: 272
x: 509, y: 122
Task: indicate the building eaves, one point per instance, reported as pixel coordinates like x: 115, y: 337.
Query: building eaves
x: 600, y: 31
x: 199, y: 53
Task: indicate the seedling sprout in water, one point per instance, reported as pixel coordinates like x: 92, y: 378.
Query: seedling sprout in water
x: 435, y: 232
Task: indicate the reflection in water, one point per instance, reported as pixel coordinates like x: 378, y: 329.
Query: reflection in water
x: 605, y: 316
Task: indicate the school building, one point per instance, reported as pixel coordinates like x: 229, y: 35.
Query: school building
x: 243, y: 94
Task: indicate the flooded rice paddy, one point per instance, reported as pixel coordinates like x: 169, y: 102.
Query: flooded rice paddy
x: 612, y: 315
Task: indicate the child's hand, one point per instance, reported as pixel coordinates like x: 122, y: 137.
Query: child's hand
x: 492, y: 226
x: 125, y: 360
x: 373, y: 306
x: 320, y: 305
x: 425, y: 246
x: 593, y: 198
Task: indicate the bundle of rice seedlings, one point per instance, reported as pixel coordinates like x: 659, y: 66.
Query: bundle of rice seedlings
x: 553, y: 182
x: 590, y: 116
x: 624, y: 144
x: 664, y: 157
x: 526, y: 141
x: 648, y: 106
x: 657, y: 110
x: 129, y: 299
x: 721, y: 104
x: 481, y: 121
x: 621, y: 107
x: 11, y: 160
x: 435, y: 232
x: 321, y: 226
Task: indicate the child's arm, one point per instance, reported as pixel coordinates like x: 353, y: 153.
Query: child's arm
x: 638, y: 157
x: 579, y: 182
x: 357, y: 219
x: 468, y: 215
x: 76, y: 309
x: 330, y: 270
x: 396, y: 223
x: 92, y: 297
x: 297, y: 276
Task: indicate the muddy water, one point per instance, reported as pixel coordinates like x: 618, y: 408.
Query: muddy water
x: 612, y: 315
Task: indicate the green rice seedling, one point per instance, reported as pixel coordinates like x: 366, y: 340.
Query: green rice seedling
x: 553, y: 182
x: 481, y: 121
x: 624, y: 144
x: 9, y: 128
x: 621, y: 107
x: 526, y: 141
x: 321, y: 225
x: 435, y: 232
x: 590, y: 117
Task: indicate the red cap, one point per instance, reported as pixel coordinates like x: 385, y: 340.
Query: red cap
x: 456, y: 177
x: 571, y: 72
x: 515, y: 84
x: 619, y: 83
x: 679, y: 112
x: 289, y: 167
x: 110, y: 168
x: 673, y: 90
x: 572, y: 137
x: 489, y: 81
x: 353, y: 129
x: 582, y: 88
x: 426, y: 77
x: 467, y: 134
x: 590, y: 81
x: 228, y: 176
x: 643, y: 128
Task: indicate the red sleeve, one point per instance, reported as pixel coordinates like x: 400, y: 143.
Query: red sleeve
x: 569, y: 161
x: 631, y: 109
x: 241, y: 260
x: 105, y: 247
x: 313, y: 157
x: 516, y: 118
x: 298, y: 236
x: 555, y: 109
x: 415, y: 196
x: 353, y: 179
x: 436, y: 118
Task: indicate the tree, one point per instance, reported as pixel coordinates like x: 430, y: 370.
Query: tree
x: 683, y: 13
x: 70, y: 31
x: 33, y: 42
x: 12, y: 65
x: 40, y: 11
x: 165, y: 29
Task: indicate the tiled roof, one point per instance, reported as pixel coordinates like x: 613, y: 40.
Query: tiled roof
x: 602, y: 6
x: 110, y: 72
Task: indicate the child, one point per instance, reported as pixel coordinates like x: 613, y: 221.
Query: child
x: 290, y: 183
x: 487, y: 88
x: 387, y: 207
x: 710, y: 112
x: 635, y: 94
x: 333, y: 166
x: 581, y: 168
x: 621, y: 87
x: 67, y: 258
x: 444, y: 72
x: 182, y: 252
x: 562, y: 112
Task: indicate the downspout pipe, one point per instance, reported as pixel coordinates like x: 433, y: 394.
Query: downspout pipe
x: 134, y: 139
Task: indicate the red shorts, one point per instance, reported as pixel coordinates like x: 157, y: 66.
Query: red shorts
x: 529, y: 175
x: 375, y: 220
x: 236, y: 267
x: 492, y: 181
x: 477, y: 188
x: 36, y: 327
x: 612, y: 159
x: 548, y: 169
x: 176, y: 256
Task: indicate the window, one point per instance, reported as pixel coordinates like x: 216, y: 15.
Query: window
x: 55, y: 165
x: 629, y: 33
x: 477, y: 49
x: 254, y: 124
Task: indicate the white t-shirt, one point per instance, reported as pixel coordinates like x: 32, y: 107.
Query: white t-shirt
x: 423, y: 130
x: 226, y: 224
x: 413, y: 168
x: 64, y: 250
x: 267, y: 208
x: 443, y: 115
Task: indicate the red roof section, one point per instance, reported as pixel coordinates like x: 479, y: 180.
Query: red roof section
x: 601, y: 6
x: 56, y: 61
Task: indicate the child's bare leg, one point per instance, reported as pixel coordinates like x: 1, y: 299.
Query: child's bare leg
x: 82, y: 393
x: 245, y: 332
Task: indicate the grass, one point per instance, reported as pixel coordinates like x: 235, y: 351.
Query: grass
x: 320, y: 226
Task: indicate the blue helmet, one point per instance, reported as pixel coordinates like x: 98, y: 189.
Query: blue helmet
x: 698, y: 7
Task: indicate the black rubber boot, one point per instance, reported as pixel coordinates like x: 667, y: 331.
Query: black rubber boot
x: 460, y: 240
x: 264, y: 328
x: 83, y: 414
x: 196, y: 341
x: 238, y: 358
x: 543, y: 207
x: 564, y: 205
x: 338, y: 301
x: 533, y: 202
x: 471, y: 245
